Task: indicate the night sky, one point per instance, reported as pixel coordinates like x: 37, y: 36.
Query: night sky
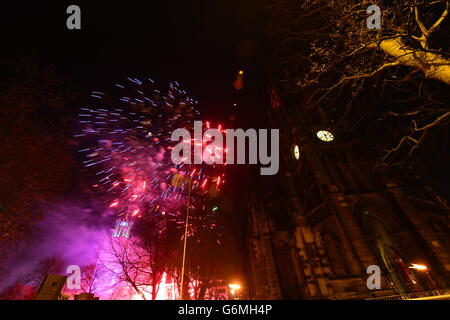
x: 201, y: 44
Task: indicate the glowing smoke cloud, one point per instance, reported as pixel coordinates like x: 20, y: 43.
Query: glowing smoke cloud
x: 70, y: 232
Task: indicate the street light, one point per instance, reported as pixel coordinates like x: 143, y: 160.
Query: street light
x: 238, y: 83
x: 233, y: 288
x: 418, y: 267
x: 177, y: 181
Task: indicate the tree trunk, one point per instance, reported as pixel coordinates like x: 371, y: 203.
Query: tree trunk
x: 433, y: 65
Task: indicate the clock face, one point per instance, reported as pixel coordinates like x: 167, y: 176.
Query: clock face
x: 325, y: 135
x: 296, y: 152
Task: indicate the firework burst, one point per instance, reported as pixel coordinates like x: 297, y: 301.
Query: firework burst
x: 126, y: 139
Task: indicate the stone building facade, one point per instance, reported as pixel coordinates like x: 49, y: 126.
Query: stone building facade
x: 333, y: 218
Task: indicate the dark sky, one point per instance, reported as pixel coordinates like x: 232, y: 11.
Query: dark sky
x: 201, y: 44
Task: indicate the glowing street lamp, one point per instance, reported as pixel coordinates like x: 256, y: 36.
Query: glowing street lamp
x: 177, y: 181
x: 233, y: 288
x: 418, y: 267
x: 238, y: 83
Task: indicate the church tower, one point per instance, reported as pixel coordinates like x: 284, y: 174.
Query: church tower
x: 122, y: 228
x: 335, y: 219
